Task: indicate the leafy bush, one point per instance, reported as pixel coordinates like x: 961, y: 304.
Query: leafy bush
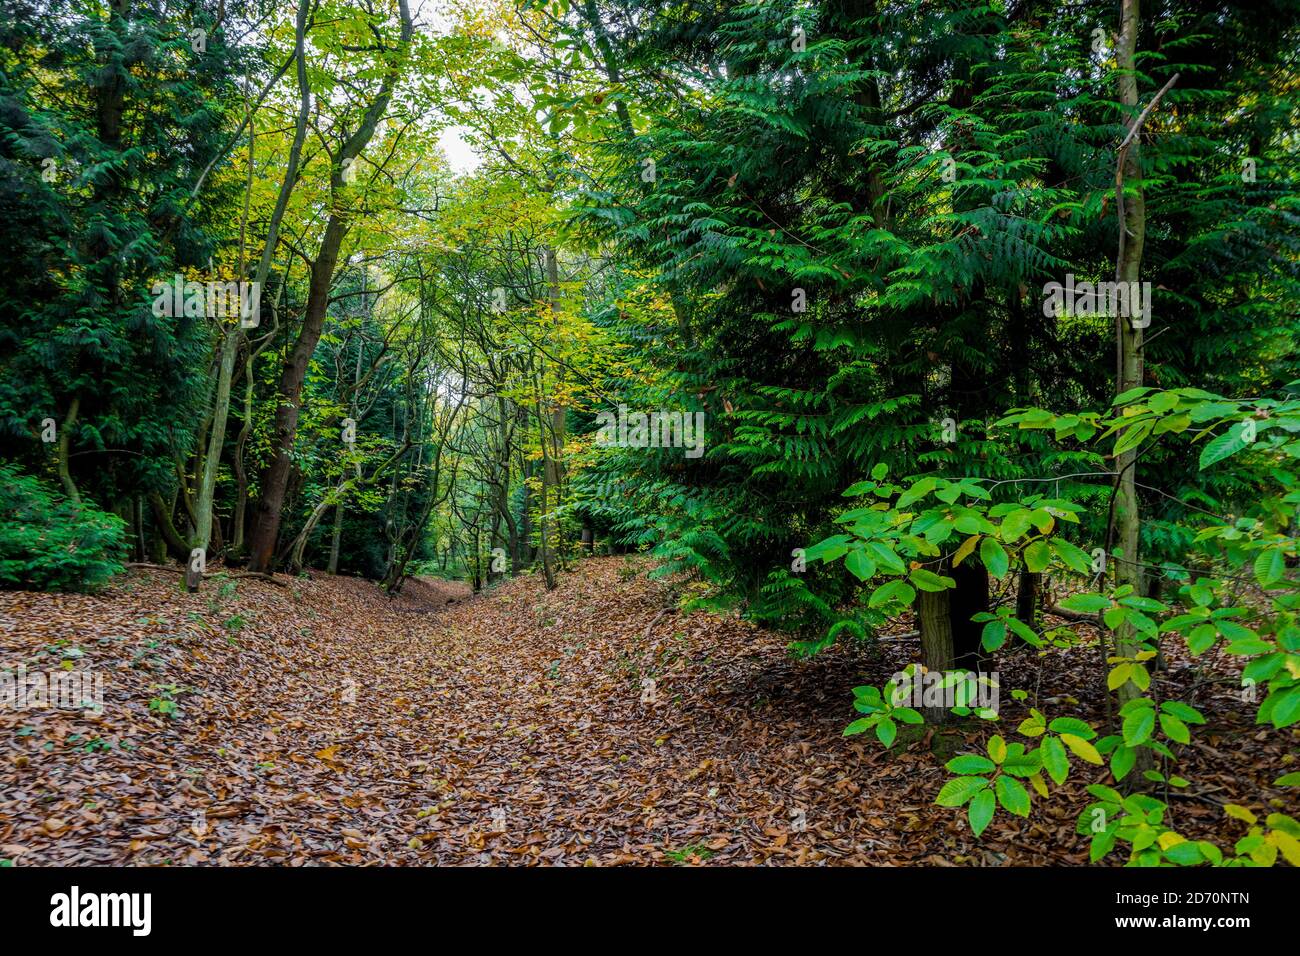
x: 1246, y: 600
x: 50, y: 543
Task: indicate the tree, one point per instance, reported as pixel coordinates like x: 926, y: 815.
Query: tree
x: 349, y: 143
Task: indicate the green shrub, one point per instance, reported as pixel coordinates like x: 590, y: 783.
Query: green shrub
x: 50, y: 543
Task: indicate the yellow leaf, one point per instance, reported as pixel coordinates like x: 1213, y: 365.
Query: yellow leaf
x: 1082, y: 749
x: 966, y: 548
x: 1167, y: 840
x: 1039, y: 784
x: 1118, y: 676
x: 1238, y: 812
x: 1289, y: 846
x: 1031, y: 727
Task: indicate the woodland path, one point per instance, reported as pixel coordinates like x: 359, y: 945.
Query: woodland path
x: 321, y: 723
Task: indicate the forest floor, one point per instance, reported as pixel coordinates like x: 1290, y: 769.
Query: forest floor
x: 319, y: 722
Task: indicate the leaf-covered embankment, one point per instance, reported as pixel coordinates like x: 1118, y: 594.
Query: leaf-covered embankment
x: 321, y: 723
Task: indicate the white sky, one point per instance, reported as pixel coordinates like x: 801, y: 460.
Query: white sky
x: 460, y: 156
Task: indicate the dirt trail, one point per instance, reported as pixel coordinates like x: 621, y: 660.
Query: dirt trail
x: 324, y: 723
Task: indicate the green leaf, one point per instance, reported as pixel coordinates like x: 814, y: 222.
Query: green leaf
x: 886, y: 731
x: 1086, y: 603
x: 1122, y: 761
x: 929, y: 581
x: 970, y: 764
x: 1175, y: 729
x: 958, y: 790
x: 1270, y: 565
x: 1103, y: 792
x: 994, y: 557
x: 1184, y: 712
x: 1186, y: 853
x: 860, y: 565
x: 993, y: 636
x: 1139, y: 725
x: 1072, y: 725
x: 1133, y: 436
x: 860, y: 726
x: 1013, y: 796
x: 980, y: 811
x: 1123, y: 398
x: 1038, y: 556
x: 887, y: 558
x: 1224, y: 446
x: 827, y: 550
x: 1014, y: 525
x: 1202, y: 639
x: 899, y: 591
x: 918, y: 491
x: 1024, y: 632
x: 1102, y: 843
x: 1075, y: 558
x: 1287, y: 709
x: 1055, y: 761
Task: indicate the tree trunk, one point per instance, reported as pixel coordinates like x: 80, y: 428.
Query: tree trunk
x: 162, y: 517
x: 1027, y: 597
x: 335, y: 538
x: 230, y: 339
x: 1129, y: 357
x: 934, y: 609
x: 543, y: 525
x: 551, y: 433
x: 239, y: 520
x: 289, y: 395
x: 970, y: 597
x: 64, y: 446
x: 204, y: 505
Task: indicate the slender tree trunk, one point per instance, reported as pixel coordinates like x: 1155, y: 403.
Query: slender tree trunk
x: 65, y: 446
x: 335, y: 538
x: 551, y: 435
x: 230, y: 339
x: 204, y: 504
x: 162, y: 517
x: 548, y: 479
x: 289, y: 396
x: 239, y: 519
x: 141, y: 549
x: 1129, y: 357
